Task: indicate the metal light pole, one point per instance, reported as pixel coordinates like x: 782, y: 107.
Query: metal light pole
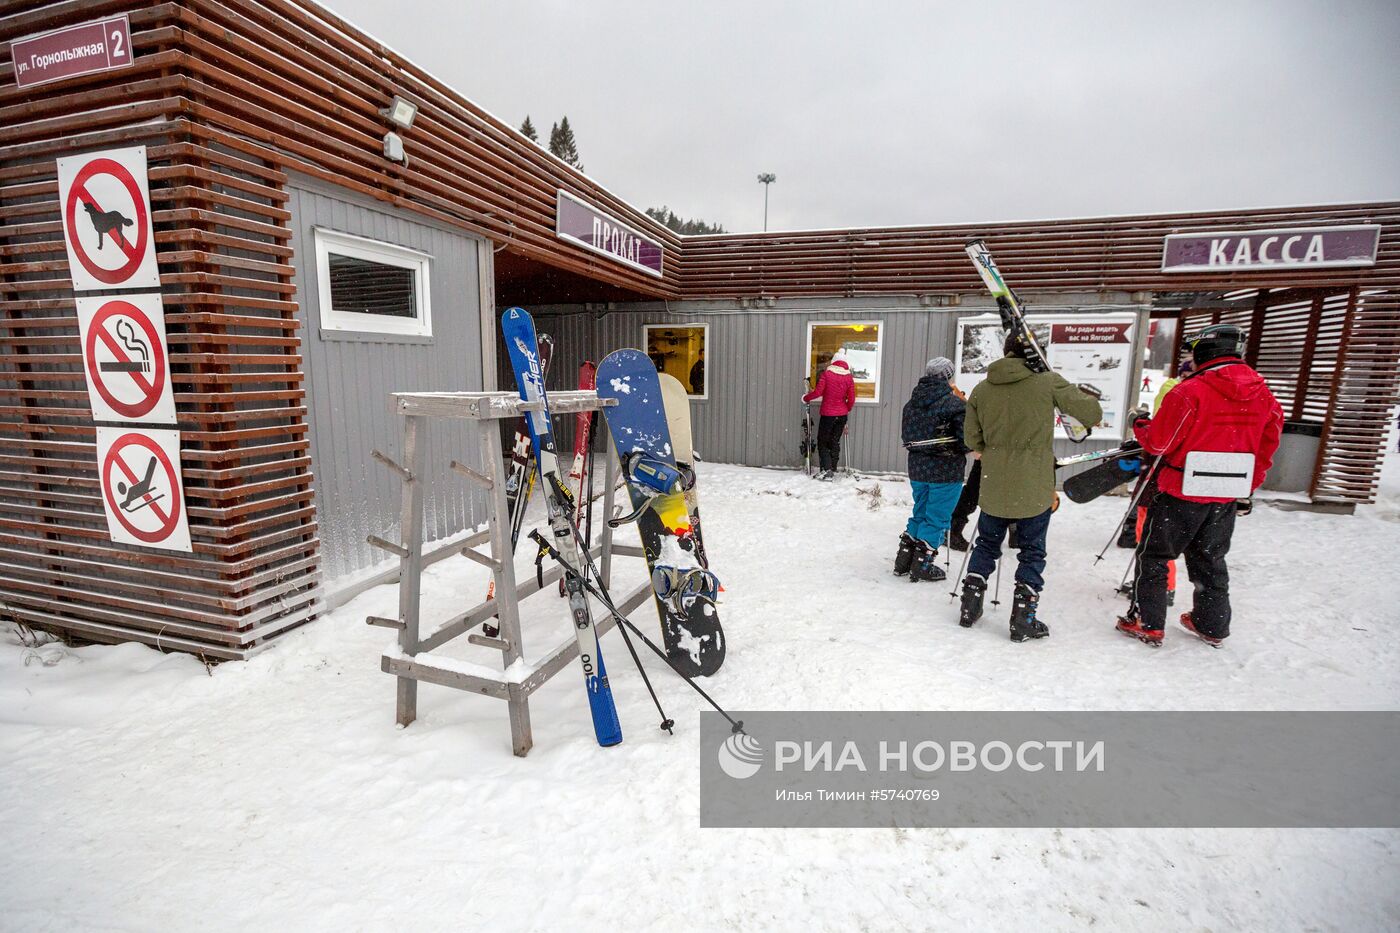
x: 767, y: 178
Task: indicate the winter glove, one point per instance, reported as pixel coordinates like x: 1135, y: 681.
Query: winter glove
x: 1244, y: 506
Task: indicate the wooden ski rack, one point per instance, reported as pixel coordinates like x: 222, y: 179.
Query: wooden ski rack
x: 411, y: 659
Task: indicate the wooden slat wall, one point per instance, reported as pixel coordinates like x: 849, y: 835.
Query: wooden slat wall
x: 221, y: 240
x: 1332, y: 359
x: 293, y: 77
x: 1365, y: 388
x: 1121, y: 253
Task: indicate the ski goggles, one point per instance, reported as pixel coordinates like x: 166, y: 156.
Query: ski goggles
x: 676, y: 583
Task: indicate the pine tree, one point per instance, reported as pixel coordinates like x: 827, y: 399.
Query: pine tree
x: 528, y: 130
x: 667, y: 217
x: 562, y: 144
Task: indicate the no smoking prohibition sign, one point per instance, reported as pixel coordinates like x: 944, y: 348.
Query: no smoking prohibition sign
x: 142, y: 490
x: 107, y: 229
x: 125, y: 359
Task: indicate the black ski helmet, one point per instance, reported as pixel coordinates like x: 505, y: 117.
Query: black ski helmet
x: 1216, y: 341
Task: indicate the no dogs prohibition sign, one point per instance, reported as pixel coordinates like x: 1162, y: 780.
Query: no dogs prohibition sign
x: 125, y: 359
x: 107, y: 227
x: 142, y: 491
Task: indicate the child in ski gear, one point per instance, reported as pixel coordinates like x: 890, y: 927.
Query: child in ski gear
x: 1224, y: 407
x: 932, y: 430
x: 837, y: 390
x: 1011, y: 422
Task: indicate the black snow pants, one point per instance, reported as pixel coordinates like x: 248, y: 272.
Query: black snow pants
x: 1201, y: 531
x: 829, y: 440
x: 967, y: 502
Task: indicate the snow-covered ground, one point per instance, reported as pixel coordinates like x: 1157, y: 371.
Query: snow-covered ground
x: 140, y: 792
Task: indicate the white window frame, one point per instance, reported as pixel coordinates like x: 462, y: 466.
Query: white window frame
x: 646, y: 348
x: 879, y: 354
x: 389, y: 254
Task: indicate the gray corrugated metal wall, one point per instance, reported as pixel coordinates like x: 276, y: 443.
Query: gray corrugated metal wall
x: 348, y: 383
x: 753, y: 415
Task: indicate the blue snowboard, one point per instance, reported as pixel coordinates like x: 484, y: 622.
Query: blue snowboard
x: 691, y: 631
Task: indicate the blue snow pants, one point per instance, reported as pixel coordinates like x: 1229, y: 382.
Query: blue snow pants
x: 933, y: 511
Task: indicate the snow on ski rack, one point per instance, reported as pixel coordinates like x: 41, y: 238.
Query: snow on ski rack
x: 412, y: 658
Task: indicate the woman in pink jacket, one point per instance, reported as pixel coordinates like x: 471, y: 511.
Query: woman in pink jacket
x: 837, y: 390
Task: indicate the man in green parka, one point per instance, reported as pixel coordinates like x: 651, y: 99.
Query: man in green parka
x: 1011, y: 423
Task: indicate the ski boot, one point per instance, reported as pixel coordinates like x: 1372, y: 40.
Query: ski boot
x: 1190, y: 626
x: 925, y: 566
x: 1024, y: 624
x: 905, y: 556
x: 916, y: 555
x: 956, y: 541
x: 1131, y: 625
x: 973, y: 591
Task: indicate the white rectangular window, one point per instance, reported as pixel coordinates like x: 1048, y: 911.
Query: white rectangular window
x: 367, y: 286
x: 680, y: 351
x: 858, y: 342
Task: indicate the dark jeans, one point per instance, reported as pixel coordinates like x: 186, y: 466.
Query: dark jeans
x: 967, y: 502
x: 1030, y: 559
x: 829, y: 440
x: 1201, y: 531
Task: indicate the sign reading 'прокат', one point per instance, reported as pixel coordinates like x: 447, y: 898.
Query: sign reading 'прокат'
x: 590, y: 228
x: 1263, y: 250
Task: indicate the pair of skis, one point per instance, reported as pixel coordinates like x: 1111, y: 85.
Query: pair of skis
x: 1013, y: 319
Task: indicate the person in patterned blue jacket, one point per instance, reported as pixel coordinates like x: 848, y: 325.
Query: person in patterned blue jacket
x: 932, y: 430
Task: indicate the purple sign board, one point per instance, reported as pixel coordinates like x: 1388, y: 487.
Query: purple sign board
x: 1264, y: 250
x: 71, y: 51
x: 588, y: 227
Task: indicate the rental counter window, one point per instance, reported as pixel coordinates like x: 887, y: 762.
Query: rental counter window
x: 679, y: 351
x: 861, y: 342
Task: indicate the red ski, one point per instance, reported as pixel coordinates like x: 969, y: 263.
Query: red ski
x: 580, y: 474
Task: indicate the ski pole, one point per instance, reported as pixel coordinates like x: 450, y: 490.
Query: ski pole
x: 996, y: 594
x: 624, y: 624
x: 1132, y: 507
x: 570, y: 572
x: 961, y: 570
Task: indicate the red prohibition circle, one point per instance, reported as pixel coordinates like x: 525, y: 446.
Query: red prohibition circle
x: 171, y: 520
x: 110, y: 309
x: 70, y: 212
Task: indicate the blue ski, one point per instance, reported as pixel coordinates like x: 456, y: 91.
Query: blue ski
x: 518, y: 329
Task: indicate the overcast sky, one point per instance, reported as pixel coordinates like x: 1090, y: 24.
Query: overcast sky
x: 920, y: 112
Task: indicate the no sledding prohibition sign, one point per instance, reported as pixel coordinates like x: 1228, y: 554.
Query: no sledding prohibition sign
x: 125, y: 359
x: 142, y: 492
x: 107, y: 220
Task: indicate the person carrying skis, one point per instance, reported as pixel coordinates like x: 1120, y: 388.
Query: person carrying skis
x: 1011, y: 423
x: 932, y: 430
x: 837, y: 390
x: 1215, y: 437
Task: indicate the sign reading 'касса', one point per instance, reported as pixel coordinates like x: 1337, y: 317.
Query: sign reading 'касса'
x: 1262, y: 250
x: 588, y: 227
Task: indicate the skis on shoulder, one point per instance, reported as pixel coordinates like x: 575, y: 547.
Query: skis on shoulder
x: 1013, y: 319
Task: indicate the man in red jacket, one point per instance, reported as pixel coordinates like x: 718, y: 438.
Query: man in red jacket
x: 1215, y: 435
x: 837, y: 390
